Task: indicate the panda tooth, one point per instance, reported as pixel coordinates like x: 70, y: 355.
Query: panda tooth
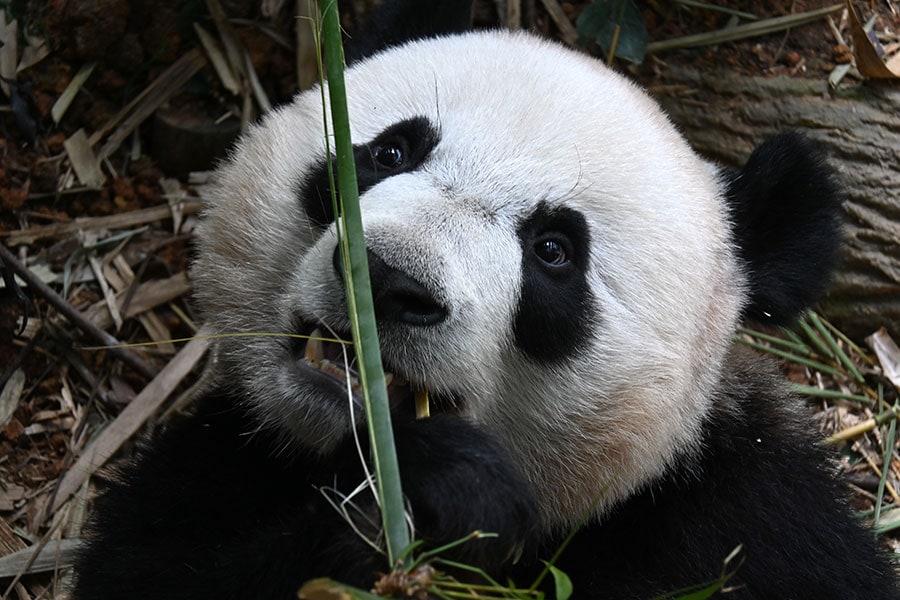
x: 388, y: 378
x: 313, y: 352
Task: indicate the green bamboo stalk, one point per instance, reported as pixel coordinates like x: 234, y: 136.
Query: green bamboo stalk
x: 886, y: 461
x: 798, y: 348
x: 857, y: 351
x: 836, y: 350
x: 810, y: 334
x: 809, y: 390
x: 359, y: 298
x: 813, y: 364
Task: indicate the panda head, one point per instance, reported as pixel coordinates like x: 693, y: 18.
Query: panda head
x: 550, y: 260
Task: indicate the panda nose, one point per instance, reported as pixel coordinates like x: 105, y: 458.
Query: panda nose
x: 397, y: 296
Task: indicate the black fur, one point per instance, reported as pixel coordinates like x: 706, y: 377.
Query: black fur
x: 395, y: 22
x: 555, y: 315
x: 211, y: 509
x: 398, y: 297
x: 414, y: 139
x: 758, y: 479
x: 784, y: 205
x: 215, y: 508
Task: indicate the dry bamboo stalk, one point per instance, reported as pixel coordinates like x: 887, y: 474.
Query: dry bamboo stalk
x: 154, y: 96
x: 148, y: 295
x: 67, y: 310
x: 117, y: 221
x: 567, y: 31
x: 130, y: 420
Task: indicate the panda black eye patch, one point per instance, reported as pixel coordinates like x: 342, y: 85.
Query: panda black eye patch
x: 400, y: 148
x: 555, y: 315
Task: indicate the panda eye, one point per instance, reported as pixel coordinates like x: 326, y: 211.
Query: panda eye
x: 553, y: 252
x: 389, y: 156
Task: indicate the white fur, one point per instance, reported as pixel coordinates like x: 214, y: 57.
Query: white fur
x: 521, y: 121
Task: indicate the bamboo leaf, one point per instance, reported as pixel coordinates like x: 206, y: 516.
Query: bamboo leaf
x: 562, y: 583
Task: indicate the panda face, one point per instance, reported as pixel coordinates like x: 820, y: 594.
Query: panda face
x: 549, y: 259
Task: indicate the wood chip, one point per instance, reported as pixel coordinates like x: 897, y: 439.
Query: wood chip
x: 84, y: 161
x: 9, y: 497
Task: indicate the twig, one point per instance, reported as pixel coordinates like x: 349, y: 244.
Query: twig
x: 754, y: 29
x: 76, y: 318
x: 722, y: 9
x: 514, y: 14
x: 116, y: 221
x: 163, y: 87
x: 567, y: 31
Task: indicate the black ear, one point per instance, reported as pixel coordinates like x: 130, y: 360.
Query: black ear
x: 785, y: 204
x: 394, y: 22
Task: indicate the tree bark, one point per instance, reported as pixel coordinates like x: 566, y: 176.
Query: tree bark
x: 725, y: 116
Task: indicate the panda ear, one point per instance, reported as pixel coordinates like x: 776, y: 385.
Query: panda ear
x: 785, y: 205
x: 394, y: 22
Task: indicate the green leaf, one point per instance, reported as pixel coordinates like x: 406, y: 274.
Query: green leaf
x: 563, y: 584
x: 703, y: 593
x: 599, y: 21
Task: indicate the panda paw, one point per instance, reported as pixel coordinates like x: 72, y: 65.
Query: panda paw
x: 460, y: 481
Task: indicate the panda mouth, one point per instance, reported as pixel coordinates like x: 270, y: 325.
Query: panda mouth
x: 331, y: 359
x: 332, y: 355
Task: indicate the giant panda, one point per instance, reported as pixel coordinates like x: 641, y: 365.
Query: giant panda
x: 563, y: 275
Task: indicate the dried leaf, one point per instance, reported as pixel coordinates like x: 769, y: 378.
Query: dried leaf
x: 51, y: 557
x: 37, y: 50
x: 326, y: 589
x: 84, y: 161
x: 9, y: 396
x: 868, y: 62
x: 115, y: 221
x: 9, y: 33
x: 888, y: 353
x: 65, y: 99
x: 219, y: 60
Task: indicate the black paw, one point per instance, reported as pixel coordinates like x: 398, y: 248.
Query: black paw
x: 458, y: 481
